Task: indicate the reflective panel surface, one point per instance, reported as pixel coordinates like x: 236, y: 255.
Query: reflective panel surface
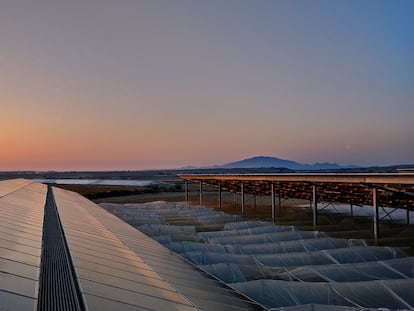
x: 21, y: 224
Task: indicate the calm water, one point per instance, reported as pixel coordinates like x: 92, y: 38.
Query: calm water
x: 106, y: 182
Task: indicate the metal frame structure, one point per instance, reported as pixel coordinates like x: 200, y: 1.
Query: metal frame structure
x: 394, y: 190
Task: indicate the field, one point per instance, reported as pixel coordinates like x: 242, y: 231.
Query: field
x: 292, y: 212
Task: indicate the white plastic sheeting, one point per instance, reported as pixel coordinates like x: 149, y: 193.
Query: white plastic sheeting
x: 270, y: 228
x: 401, y: 268
x: 186, y: 246
x: 316, y: 307
x: 279, y: 266
x: 167, y: 234
x: 246, y: 224
x: 134, y: 216
x: 330, y: 256
x: 162, y: 212
x: 158, y: 229
x: 227, y: 272
x: 324, y: 257
x: 393, y: 294
x: 300, y: 245
x: 232, y: 272
x: 269, y: 248
x: 266, y: 237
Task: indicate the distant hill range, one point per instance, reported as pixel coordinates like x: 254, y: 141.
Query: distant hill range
x: 255, y: 165
x: 273, y: 162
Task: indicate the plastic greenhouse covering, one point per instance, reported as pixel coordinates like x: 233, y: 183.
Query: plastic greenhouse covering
x: 269, y: 248
x: 163, y: 212
x: 401, y: 268
x: 394, y: 294
x: 248, y: 231
x: 266, y: 237
x: 280, y: 267
x: 324, y: 257
x: 301, y: 245
x: 366, y: 271
x: 246, y: 224
x: 317, y: 307
x: 158, y: 229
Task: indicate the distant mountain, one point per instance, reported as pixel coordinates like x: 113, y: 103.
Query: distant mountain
x: 262, y: 161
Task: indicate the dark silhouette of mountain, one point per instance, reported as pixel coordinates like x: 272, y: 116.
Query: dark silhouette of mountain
x: 262, y: 161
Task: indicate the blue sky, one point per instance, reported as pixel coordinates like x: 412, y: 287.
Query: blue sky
x: 153, y: 84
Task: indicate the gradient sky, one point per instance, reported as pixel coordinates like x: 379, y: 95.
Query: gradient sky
x: 138, y: 84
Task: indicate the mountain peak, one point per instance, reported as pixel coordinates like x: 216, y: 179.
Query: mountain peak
x: 268, y: 162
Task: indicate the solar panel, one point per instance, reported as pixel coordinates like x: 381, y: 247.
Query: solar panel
x: 152, y: 292
x: 21, y: 218
x: 115, y: 266
x: 201, y: 289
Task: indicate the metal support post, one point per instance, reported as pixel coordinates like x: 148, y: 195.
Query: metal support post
x: 201, y: 193
x: 279, y: 202
x: 272, y: 188
x: 352, y: 210
x: 242, y: 197
x: 254, y: 201
x: 375, y: 203
x: 315, y: 207
x: 408, y: 215
x: 219, y: 195
x: 186, y: 190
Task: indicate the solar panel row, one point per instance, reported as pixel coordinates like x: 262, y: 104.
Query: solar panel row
x: 205, y: 292
x: 105, y: 252
x: 21, y: 218
x: 92, y: 245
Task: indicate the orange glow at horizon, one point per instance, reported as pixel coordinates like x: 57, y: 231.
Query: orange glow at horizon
x: 135, y: 85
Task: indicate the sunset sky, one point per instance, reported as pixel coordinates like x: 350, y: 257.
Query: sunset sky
x: 145, y: 84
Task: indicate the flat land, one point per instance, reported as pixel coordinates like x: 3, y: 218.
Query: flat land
x: 292, y: 212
